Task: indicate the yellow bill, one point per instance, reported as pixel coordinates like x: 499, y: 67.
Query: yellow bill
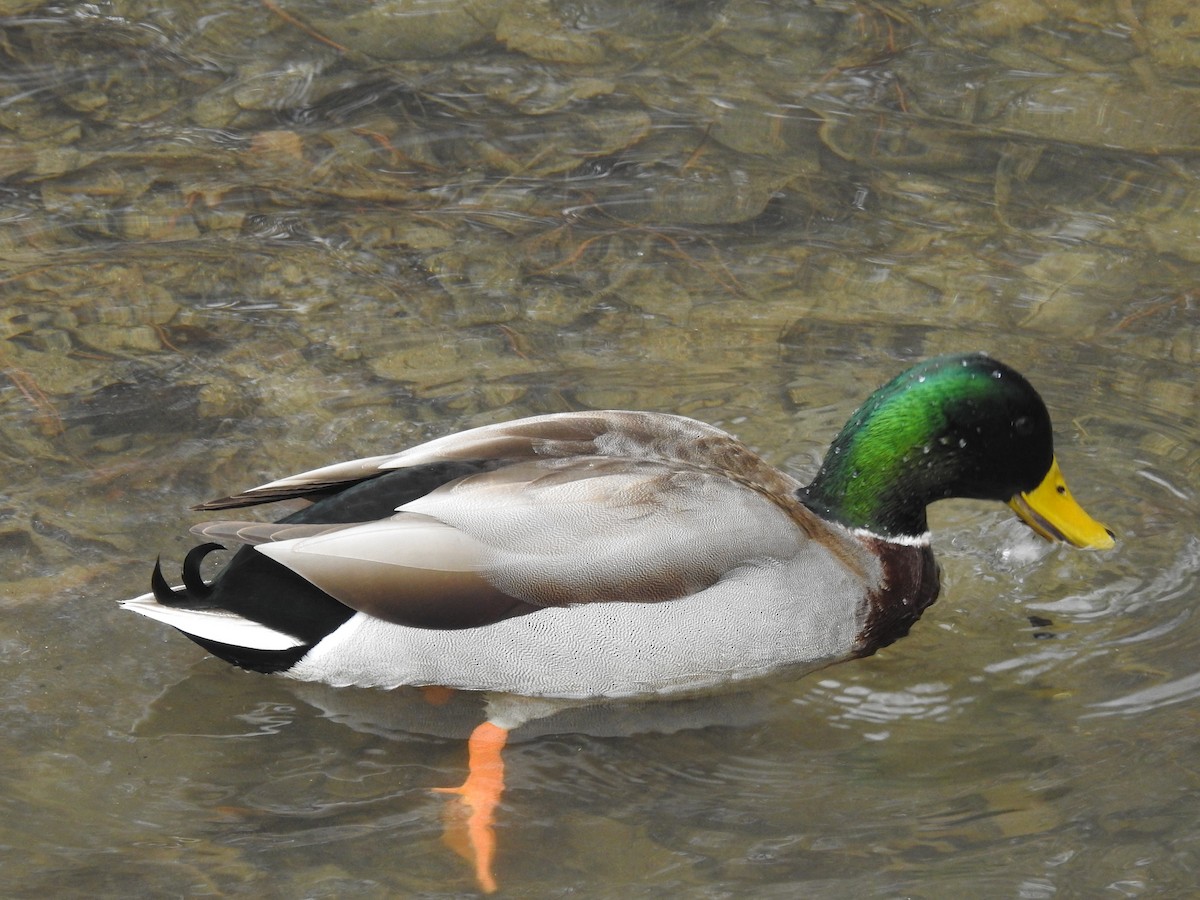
x: 1051, y: 511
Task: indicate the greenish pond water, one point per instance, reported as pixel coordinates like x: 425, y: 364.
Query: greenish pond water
x: 240, y: 240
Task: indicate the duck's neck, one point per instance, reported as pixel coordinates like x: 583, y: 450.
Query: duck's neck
x: 852, y: 489
x: 892, y: 459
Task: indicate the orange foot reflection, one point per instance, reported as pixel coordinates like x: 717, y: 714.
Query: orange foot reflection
x: 469, y: 829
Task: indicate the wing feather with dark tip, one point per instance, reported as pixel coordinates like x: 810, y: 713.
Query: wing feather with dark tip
x: 260, y: 532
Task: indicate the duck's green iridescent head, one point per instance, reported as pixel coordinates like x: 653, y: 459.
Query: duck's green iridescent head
x: 953, y: 426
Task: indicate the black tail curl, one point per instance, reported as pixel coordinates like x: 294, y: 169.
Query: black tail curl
x: 195, y: 591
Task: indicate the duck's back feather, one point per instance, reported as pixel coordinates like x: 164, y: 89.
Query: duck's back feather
x: 615, y: 434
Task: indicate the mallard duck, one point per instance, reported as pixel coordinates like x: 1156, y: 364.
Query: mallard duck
x: 587, y: 555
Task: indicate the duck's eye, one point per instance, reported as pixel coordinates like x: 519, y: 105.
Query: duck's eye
x: 1062, y: 488
x: 1023, y: 426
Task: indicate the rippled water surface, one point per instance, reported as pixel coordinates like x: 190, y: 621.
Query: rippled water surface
x: 240, y: 240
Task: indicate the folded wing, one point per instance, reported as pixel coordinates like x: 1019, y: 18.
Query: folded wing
x: 570, y: 509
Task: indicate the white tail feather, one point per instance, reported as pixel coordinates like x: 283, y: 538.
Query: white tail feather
x: 214, y: 625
